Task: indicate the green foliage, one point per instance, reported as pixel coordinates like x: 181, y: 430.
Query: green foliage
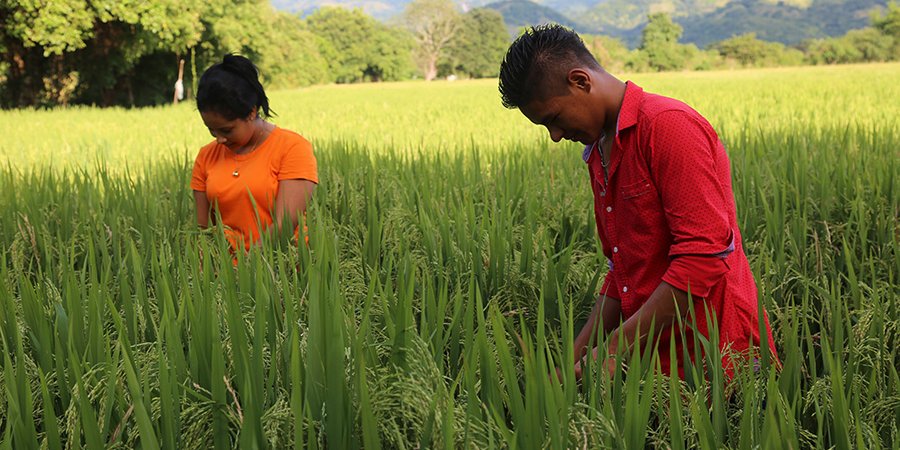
x: 610, y: 52
x: 704, y: 59
x: 659, y: 41
x: 660, y: 30
x: 865, y: 45
x: 748, y: 51
x: 358, y: 47
x: 392, y: 56
x: 478, y: 48
x: 285, y: 51
x: 832, y: 51
x: 433, y: 24
x: 56, y: 26
x: 873, y: 46
x: 888, y: 22
x: 293, y: 58
x: 52, y: 50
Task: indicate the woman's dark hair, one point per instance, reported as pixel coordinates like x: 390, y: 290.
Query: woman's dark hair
x: 541, y: 53
x: 232, y: 89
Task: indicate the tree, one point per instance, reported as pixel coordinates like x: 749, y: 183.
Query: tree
x: 479, y: 47
x: 832, y: 51
x: 52, y: 48
x: 864, y: 45
x: 126, y: 52
x: 889, y: 22
x: 659, y: 41
x: 433, y: 24
x: 293, y: 58
x: 610, y: 52
x: 889, y: 25
x: 391, y: 57
x: 872, y: 45
x: 344, y: 38
x: 747, y: 50
x: 358, y: 47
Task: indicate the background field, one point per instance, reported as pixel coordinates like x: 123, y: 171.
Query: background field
x: 453, y: 116
x: 452, y: 253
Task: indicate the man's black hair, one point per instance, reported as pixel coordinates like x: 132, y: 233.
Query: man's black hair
x: 540, y: 53
x: 232, y: 89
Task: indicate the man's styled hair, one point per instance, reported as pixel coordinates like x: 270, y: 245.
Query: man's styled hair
x: 541, y: 53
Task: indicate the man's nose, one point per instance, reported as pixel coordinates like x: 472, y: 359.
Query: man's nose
x: 555, y: 134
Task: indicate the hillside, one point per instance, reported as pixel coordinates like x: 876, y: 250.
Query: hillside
x: 521, y: 13
x: 707, y: 21
x: 781, y: 23
x: 704, y: 21
x: 384, y: 9
x: 380, y: 9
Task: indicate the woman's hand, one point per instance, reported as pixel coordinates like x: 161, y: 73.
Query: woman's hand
x: 609, y: 364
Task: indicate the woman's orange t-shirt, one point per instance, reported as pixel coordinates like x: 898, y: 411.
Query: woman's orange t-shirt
x: 284, y: 155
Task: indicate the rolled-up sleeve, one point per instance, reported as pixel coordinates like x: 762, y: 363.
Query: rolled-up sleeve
x: 198, y: 175
x: 695, y: 274
x: 683, y: 162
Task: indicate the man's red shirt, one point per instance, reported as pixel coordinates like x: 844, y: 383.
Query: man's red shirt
x: 668, y: 215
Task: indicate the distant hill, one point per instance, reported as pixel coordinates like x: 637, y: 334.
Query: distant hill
x: 387, y: 8
x: 779, y: 22
x: 708, y: 21
x: 522, y: 13
x: 704, y: 21
x: 383, y: 9
x: 380, y: 9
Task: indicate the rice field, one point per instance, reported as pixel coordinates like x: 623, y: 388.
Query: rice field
x: 452, y: 257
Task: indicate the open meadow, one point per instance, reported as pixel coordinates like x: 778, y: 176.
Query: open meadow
x: 452, y: 255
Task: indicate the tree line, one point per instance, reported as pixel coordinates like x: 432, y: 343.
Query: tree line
x: 127, y: 52
x: 660, y: 49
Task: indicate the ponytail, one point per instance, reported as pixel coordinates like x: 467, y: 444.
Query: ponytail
x: 232, y: 89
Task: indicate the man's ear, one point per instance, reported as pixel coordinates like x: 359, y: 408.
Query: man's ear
x: 579, y: 79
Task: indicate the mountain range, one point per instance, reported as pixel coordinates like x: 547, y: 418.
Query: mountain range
x: 704, y: 21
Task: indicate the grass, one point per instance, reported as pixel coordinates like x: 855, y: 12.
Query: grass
x: 452, y: 256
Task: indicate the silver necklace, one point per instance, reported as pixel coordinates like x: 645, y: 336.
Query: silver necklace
x: 604, y: 165
x: 602, y: 152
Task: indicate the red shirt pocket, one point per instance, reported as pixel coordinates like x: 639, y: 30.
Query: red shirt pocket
x: 638, y: 189
x: 639, y: 210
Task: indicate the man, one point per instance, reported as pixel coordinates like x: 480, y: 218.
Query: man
x: 663, y: 201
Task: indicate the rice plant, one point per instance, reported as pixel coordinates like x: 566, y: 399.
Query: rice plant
x: 447, y: 271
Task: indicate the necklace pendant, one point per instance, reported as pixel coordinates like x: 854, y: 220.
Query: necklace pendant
x: 235, y: 173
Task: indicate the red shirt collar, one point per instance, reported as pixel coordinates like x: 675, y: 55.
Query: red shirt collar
x: 628, y: 114
x: 631, y: 104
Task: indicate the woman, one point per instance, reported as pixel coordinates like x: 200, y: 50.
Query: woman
x: 254, y: 174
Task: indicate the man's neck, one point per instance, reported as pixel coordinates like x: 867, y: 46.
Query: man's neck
x: 613, y: 91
